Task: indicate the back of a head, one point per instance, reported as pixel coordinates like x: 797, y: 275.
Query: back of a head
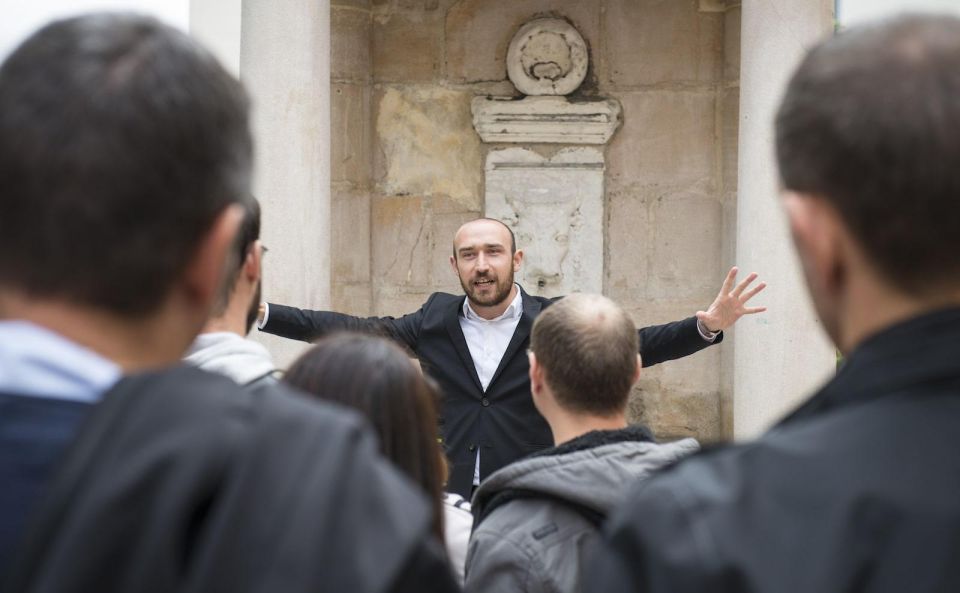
x: 377, y: 378
x: 247, y: 235
x: 587, y: 346
x: 869, y: 122
x: 121, y: 140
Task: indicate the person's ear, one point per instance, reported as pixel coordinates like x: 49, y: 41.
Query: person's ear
x: 253, y: 262
x: 207, y: 268
x: 453, y: 265
x: 536, y: 374
x: 817, y: 232
x: 517, y: 260
x: 637, y: 371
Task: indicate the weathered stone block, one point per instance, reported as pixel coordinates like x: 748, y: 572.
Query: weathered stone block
x: 406, y: 49
x: 389, y: 300
x: 731, y: 45
x: 442, y: 229
x: 362, y: 4
x: 655, y: 41
x: 699, y: 373
x: 352, y: 299
x: 667, y: 138
x: 629, y: 233
x: 351, y: 134
x: 478, y: 32
x: 350, y: 236
x: 729, y: 137
x: 400, y: 252
x: 427, y: 145
x: 674, y: 414
x: 350, y: 40
x: 685, y: 251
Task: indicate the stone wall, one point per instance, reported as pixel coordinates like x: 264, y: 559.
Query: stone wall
x: 407, y: 165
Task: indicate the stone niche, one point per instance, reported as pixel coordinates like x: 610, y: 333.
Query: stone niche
x: 553, y: 204
x: 555, y: 208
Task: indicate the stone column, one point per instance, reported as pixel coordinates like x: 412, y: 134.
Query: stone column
x: 285, y: 64
x: 781, y: 356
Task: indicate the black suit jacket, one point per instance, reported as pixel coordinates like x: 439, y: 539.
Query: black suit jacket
x: 502, y: 422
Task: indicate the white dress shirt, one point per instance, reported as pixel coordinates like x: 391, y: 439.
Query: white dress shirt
x: 487, y: 340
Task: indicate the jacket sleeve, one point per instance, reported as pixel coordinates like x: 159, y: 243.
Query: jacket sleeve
x: 659, y: 343
x: 496, y: 564
x: 308, y: 325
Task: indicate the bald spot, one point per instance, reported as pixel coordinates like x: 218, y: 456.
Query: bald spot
x: 587, y: 346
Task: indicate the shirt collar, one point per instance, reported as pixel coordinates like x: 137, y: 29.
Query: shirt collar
x: 513, y: 311
x: 35, y: 361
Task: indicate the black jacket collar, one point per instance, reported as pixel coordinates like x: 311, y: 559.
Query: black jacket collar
x: 531, y: 308
x: 924, y: 349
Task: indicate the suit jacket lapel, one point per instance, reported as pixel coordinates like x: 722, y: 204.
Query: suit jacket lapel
x: 531, y: 308
x: 452, y: 320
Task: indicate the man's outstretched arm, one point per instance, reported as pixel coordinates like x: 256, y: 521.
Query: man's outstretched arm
x: 659, y: 343
x: 308, y: 325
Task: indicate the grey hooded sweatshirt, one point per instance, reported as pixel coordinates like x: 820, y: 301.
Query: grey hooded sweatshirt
x: 535, y: 518
x: 227, y: 353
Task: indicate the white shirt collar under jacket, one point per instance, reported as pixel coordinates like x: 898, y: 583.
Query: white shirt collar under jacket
x: 488, y: 339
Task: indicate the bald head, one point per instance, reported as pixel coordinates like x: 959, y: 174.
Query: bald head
x: 486, y: 226
x: 587, y: 346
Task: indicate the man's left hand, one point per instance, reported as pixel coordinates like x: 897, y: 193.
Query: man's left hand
x: 731, y: 304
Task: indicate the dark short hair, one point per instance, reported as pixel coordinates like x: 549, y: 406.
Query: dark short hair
x: 374, y: 376
x: 121, y: 140
x: 513, y: 238
x: 587, y: 346
x: 869, y: 123
x: 247, y: 235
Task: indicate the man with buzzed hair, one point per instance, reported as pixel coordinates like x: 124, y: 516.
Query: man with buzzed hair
x: 474, y: 346
x: 859, y: 488
x: 222, y: 346
x: 535, y: 516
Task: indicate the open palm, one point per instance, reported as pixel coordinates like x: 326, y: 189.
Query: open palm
x: 731, y: 304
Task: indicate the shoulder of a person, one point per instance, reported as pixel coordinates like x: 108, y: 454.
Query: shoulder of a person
x: 533, y: 525
x: 213, y: 404
x: 443, y: 298
x: 286, y: 404
x: 710, y: 486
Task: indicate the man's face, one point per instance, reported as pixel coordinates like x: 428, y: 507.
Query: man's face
x: 484, y: 262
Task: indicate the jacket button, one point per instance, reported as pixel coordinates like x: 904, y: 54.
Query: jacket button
x: 485, y: 402
x: 472, y: 448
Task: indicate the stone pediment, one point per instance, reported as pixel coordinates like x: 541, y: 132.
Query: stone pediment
x: 545, y: 119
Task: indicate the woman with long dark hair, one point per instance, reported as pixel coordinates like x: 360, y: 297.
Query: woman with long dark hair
x: 377, y: 378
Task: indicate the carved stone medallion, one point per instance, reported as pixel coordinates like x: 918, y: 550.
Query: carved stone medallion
x: 547, y: 57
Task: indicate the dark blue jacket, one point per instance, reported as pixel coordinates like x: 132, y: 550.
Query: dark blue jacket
x: 34, y: 433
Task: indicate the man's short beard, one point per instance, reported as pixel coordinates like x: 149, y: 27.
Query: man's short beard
x: 499, y: 296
